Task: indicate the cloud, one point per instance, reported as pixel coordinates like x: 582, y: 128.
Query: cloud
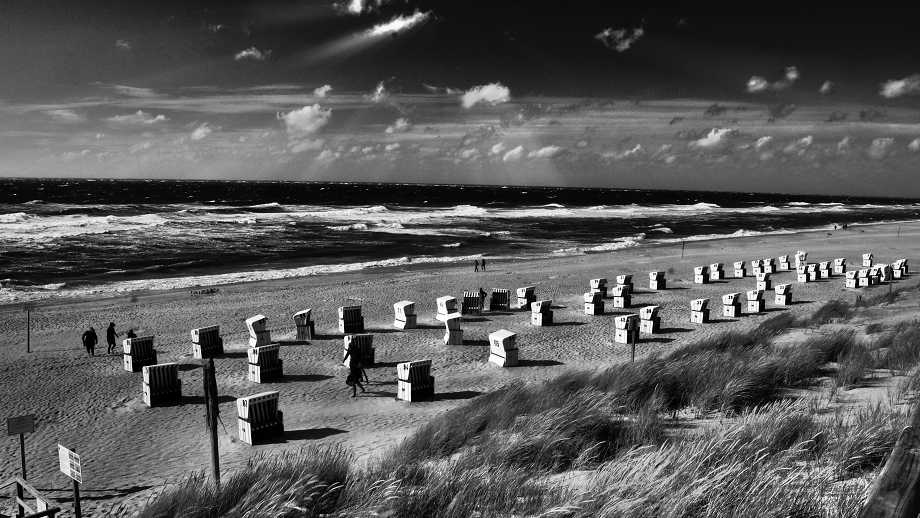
x: 716, y: 137
x: 305, y: 121
x: 492, y: 94
x: 132, y: 91
x: 399, y: 24
x: 327, y: 155
x: 799, y: 146
x: 252, y: 54
x: 900, y: 87
x: 137, y: 118
x: 545, y: 152
x: 401, y: 125
x: 843, y: 147
x: 620, y: 40
x: 441, y: 89
x: 64, y: 115
x: 762, y: 141
x: 469, y: 153
x: 123, y: 45
x: 392, y: 147
x: 827, y: 87
x: 514, y: 155
x: 379, y: 94
x: 757, y: 84
x: 914, y: 145
x: 358, y: 6
x: 306, y: 145
x: 497, y: 149
x: 619, y: 155
x: 201, y: 132
x: 322, y: 91
x: 880, y: 147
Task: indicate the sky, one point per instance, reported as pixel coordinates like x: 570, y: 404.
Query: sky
x: 798, y: 100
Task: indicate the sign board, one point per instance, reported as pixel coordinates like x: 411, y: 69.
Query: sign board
x: 70, y: 464
x: 21, y: 424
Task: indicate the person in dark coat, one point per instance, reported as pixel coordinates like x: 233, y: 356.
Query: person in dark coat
x: 483, y: 262
x: 476, y: 265
x: 355, y: 372
x: 110, y: 335
x: 90, y: 339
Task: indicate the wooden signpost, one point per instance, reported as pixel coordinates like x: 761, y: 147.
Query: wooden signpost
x: 28, y: 307
x: 70, y: 465
x: 20, y: 426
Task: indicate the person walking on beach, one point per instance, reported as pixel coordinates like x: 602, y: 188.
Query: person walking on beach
x: 483, y: 264
x: 110, y: 335
x: 90, y: 339
x: 482, y: 297
x: 355, y: 372
x: 476, y: 265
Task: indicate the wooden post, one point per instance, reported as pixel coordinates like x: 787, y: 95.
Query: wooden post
x: 76, y: 500
x: 210, y: 397
x: 683, y: 244
x: 632, y: 355
x: 896, y: 491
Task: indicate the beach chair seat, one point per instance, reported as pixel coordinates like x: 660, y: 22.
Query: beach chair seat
x: 657, y: 281
x: 306, y: 328
x: 404, y: 316
x: 840, y: 266
x: 699, y: 311
x: 472, y: 303
x: 138, y: 353
x: 740, y: 270
x: 801, y: 257
x: 769, y: 265
x: 783, y: 295
x: 500, y: 300
x: 867, y: 259
x: 207, y: 342
x: 625, y: 281
x: 626, y: 329
x: 161, y: 384
x: 701, y: 275
x: 503, y: 350
x: 258, y: 417
x: 259, y: 334
x: 621, y: 295
x: 755, y: 301
x: 525, y: 296
x: 715, y: 272
x: 350, y: 320
x: 414, y: 381
x: 540, y: 313
x: 599, y: 285
x: 594, y: 304
x: 731, y: 307
x: 764, y: 281
x: 264, y: 363
x: 783, y: 263
x: 453, y: 335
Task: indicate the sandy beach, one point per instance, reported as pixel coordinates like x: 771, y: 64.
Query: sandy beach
x: 93, y: 406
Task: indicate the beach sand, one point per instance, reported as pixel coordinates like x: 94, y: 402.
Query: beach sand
x: 94, y: 407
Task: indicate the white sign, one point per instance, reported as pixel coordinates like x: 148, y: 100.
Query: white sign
x: 69, y: 463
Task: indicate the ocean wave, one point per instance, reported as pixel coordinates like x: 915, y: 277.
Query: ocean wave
x: 19, y: 227
x: 451, y: 245
x: 617, y: 244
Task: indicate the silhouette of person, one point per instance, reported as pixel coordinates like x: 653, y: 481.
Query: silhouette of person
x: 355, y: 372
x: 483, y: 264
x: 90, y: 339
x: 476, y: 265
x: 110, y: 335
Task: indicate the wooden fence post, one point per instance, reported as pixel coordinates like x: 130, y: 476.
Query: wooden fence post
x: 896, y: 491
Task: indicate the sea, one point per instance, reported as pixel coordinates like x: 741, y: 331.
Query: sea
x: 67, y: 237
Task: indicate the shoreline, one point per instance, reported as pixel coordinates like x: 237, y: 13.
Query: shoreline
x: 176, y: 284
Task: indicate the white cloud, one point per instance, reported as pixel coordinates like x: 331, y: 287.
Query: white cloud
x: 762, y: 141
x: 201, y: 132
x: 380, y: 93
x: 64, y: 115
x: 914, y: 145
x: 355, y: 6
x: 799, y: 146
x: 545, y: 152
x: 327, y: 155
x: 826, y: 87
x: 306, y: 145
x: 139, y: 117
x: 619, y: 155
x: 253, y: 54
x: 399, y: 24
x: 620, y: 40
x: 715, y: 138
x: 880, y: 146
x: 757, y: 84
x: 123, y: 45
x: 469, y: 153
x: 392, y: 147
x: 498, y: 148
x: 305, y: 121
x: 493, y: 93
x: 401, y: 125
x: 899, y: 87
x: 322, y: 91
x: 844, y: 145
x: 514, y: 155
x: 132, y: 91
